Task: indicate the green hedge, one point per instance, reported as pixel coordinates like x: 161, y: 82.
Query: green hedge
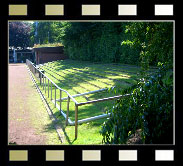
x: 98, y: 42
x: 124, y: 42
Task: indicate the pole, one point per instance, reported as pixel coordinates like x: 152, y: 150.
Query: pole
x: 76, y: 121
x: 67, y: 117
x: 43, y: 82
x: 60, y: 100
x: 48, y: 88
x: 51, y: 90
x: 55, y: 96
x: 40, y: 77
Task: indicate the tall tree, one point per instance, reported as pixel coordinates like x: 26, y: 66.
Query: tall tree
x: 149, y: 108
x: 155, y: 40
x: 93, y: 41
x: 46, y: 32
x: 19, y: 34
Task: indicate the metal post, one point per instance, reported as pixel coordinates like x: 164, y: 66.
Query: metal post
x: 68, y: 101
x: 48, y: 88
x: 40, y: 77
x: 51, y: 90
x: 60, y: 100
x: 76, y: 121
x: 45, y: 84
x: 55, y: 96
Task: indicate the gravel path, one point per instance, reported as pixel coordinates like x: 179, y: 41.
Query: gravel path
x: 28, y: 121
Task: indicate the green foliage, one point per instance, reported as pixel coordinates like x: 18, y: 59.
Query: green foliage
x: 142, y: 42
x: 145, y: 43
x: 149, y: 108
x: 100, y: 42
x: 47, y: 32
x: 154, y: 40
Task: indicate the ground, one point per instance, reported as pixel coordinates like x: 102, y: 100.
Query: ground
x: 28, y: 120
x: 79, y: 77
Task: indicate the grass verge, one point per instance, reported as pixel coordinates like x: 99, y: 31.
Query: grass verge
x: 79, y: 77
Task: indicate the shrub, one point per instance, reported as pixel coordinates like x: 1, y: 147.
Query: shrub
x: 98, y: 42
x: 149, y: 108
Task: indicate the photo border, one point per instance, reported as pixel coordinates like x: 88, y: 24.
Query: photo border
x: 73, y: 153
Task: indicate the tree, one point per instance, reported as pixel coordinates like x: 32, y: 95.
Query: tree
x: 46, y: 32
x: 93, y: 41
x: 19, y: 34
x: 150, y: 105
x: 155, y: 40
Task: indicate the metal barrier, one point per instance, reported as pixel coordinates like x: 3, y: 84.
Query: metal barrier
x: 43, y: 78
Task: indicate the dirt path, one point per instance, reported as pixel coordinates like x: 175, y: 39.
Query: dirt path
x: 28, y: 121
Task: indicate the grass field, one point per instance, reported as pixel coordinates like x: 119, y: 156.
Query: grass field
x: 79, y: 77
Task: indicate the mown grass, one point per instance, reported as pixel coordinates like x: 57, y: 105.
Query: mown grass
x: 41, y: 121
x: 79, y: 77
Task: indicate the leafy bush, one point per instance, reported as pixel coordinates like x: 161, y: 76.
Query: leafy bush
x: 152, y: 40
x: 149, y: 108
x: 98, y: 42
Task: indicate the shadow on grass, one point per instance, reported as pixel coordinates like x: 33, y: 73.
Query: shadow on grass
x: 51, y: 127
x: 71, y: 79
x: 87, y: 72
x: 61, y: 122
x: 56, y: 119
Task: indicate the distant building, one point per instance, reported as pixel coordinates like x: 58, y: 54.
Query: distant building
x: 48, y: 54
x: 20, y: 55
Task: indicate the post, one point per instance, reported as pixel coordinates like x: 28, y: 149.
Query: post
x: 55, y: 96
x: 76, y: 121
x: 51, y: 90
x: 60, y: 100
x: 45, y: 84
x: 48, y: 88
x: 39, y: 77
x: 67, y: 117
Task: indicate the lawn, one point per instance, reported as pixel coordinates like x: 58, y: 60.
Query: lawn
x: 79, y: 77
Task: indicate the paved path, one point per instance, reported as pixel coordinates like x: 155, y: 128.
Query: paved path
x: 28, y: 120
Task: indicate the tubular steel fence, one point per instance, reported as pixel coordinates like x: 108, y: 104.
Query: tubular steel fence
x: 42, y: 78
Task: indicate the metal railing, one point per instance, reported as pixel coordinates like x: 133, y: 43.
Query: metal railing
x: 43, y: 79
